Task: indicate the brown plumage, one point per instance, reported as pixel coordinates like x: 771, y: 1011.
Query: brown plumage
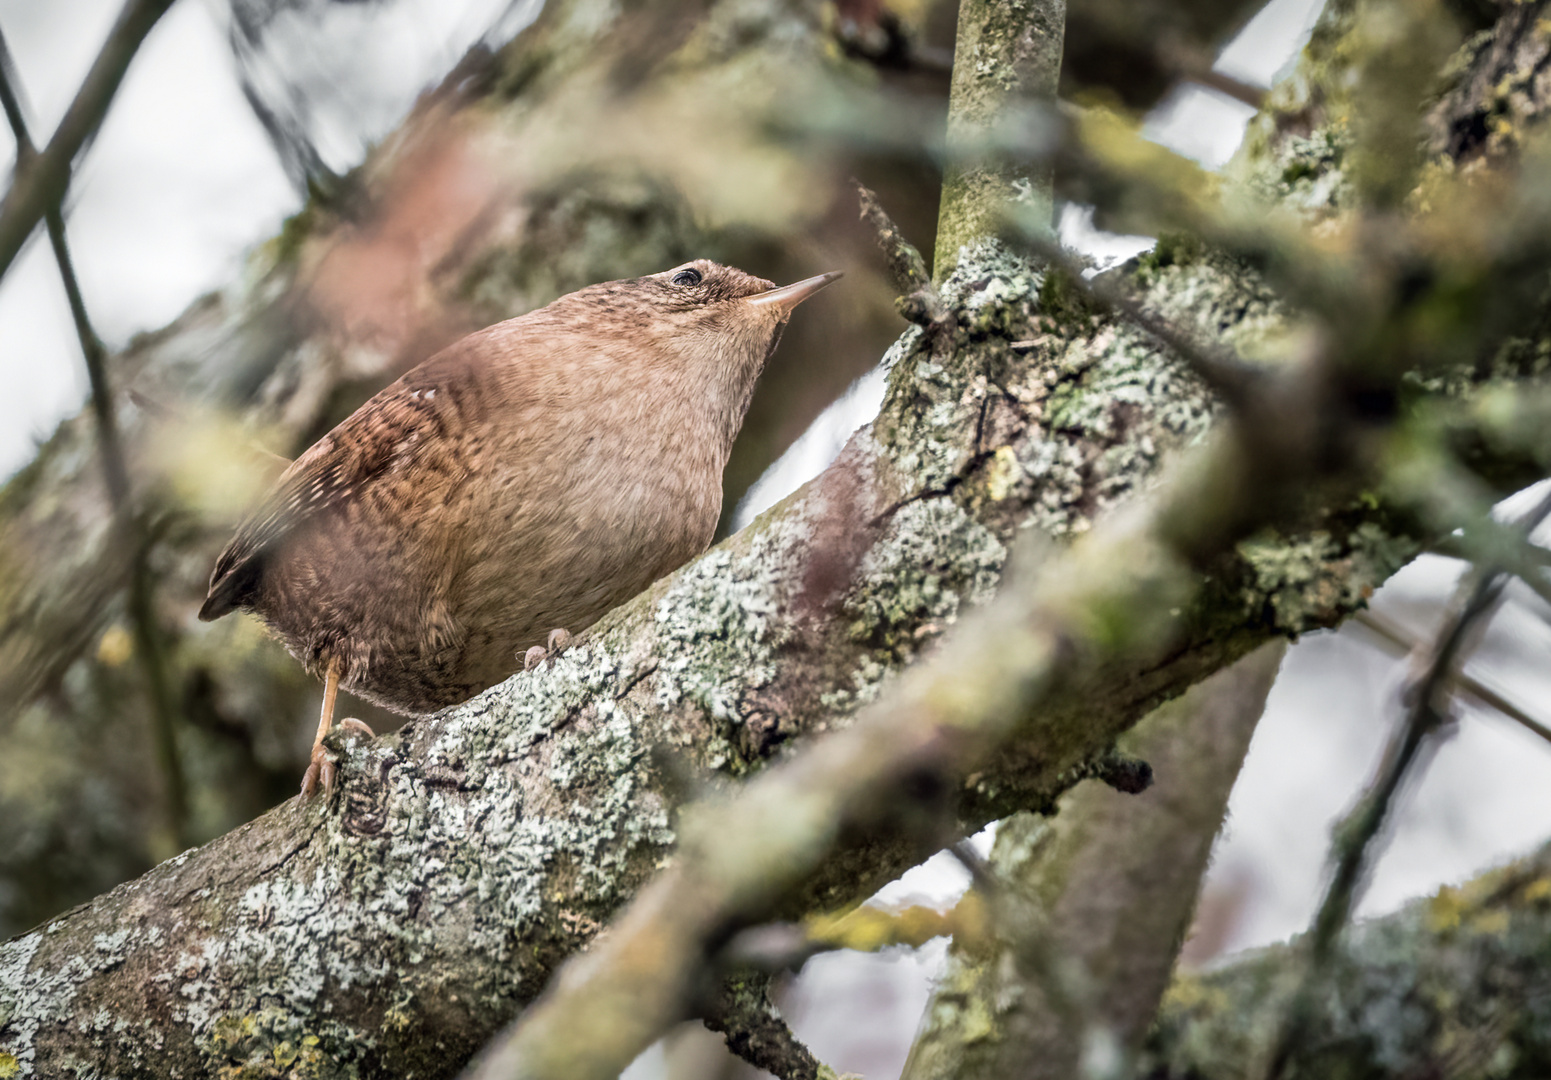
x: 530, y: 476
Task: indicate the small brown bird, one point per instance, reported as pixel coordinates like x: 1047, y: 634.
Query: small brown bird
x: 526, y: 478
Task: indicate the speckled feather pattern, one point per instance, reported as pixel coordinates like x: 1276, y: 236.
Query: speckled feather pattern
x: 531, y: 476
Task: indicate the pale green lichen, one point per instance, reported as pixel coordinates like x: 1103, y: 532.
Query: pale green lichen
x: 1308, y: 583
x: 933, y: 560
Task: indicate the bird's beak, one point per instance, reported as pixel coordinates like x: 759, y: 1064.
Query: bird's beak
x: 789, y: 296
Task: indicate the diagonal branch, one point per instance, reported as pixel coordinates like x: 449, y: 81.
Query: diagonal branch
x: 41, y: 181
x: 1479, y: 595
x: 1401, y: 642
x: 148, y: 646
x: 1115, y: 882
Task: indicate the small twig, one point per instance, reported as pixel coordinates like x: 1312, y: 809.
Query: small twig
x: 906, y: 266
x: 1236, y: 382
x: 1454, y: 547
x: 1427, y: 713
x: 41, y: 179
x: 115, y: 474
x: 1490, y: 542
x: 1403, y: 643
x: 1250, y: 94
x: 756, y: 1032
x: 1192, y: 62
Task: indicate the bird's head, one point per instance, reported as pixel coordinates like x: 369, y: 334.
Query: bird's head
x: 731, y: 318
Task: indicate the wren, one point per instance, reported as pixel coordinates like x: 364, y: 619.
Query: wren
x: 525, y: 479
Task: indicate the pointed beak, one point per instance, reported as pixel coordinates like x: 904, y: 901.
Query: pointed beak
x: 789, y: 296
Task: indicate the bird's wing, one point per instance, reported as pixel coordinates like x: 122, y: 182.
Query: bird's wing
x: 388, y: 431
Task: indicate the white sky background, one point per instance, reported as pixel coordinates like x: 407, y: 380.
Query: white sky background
x: 182, y: 181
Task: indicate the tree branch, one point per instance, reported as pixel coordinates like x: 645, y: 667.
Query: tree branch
x: 1007, y: 53
x: 1350, y: 851
x: 148, y: 648
x: 1114, y: 881
x: 42, y: 182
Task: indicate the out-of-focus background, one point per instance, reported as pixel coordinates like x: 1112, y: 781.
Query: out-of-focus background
x: 186, y: 179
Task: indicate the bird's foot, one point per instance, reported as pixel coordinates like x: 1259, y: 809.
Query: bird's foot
x: 559, y: 642
x: 322, y: 770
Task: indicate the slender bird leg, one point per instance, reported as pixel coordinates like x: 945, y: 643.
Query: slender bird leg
x: 322, y: 766
x: 559, y: 642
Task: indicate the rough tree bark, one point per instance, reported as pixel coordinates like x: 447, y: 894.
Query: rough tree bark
x: 487, y: 203
x: 392, y: 932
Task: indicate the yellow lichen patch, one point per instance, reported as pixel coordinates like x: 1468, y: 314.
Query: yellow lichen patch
x: 1445, y: 910
x: 1189, y: 994
x: 1003, y: 474
x: 1537, y: 890
x: 868, y: 929
x: 9, y: 1066
x: 1494, y: 922
x: 115, y: 647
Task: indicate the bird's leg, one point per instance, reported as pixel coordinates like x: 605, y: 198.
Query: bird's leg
x: 559, y: 642
x: 321, y: 768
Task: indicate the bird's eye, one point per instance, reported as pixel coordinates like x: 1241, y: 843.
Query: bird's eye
x: 687, y: 277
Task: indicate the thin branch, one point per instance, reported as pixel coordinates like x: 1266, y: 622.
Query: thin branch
x: 1454, y: 547
x: 906, y: 267
x: 115, y: 474
x: 1402, y: 642
x: 41, y: 180
x: 1250, y: 94
x: 756, y: 1032
x: 1480, y: 593
x: 1023, y: 45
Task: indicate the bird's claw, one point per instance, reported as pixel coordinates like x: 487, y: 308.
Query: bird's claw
x: 559, y: 642
x: 323, y: 769
x: 320, y: 770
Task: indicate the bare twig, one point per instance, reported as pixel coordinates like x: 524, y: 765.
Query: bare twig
x: 115, y: 475
x: 41, y: 178
x: 1428, y: 712
x: 1454, y: 547
x: 906, y: 267
x: 756, y: 1031
x: 1402, y: 642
